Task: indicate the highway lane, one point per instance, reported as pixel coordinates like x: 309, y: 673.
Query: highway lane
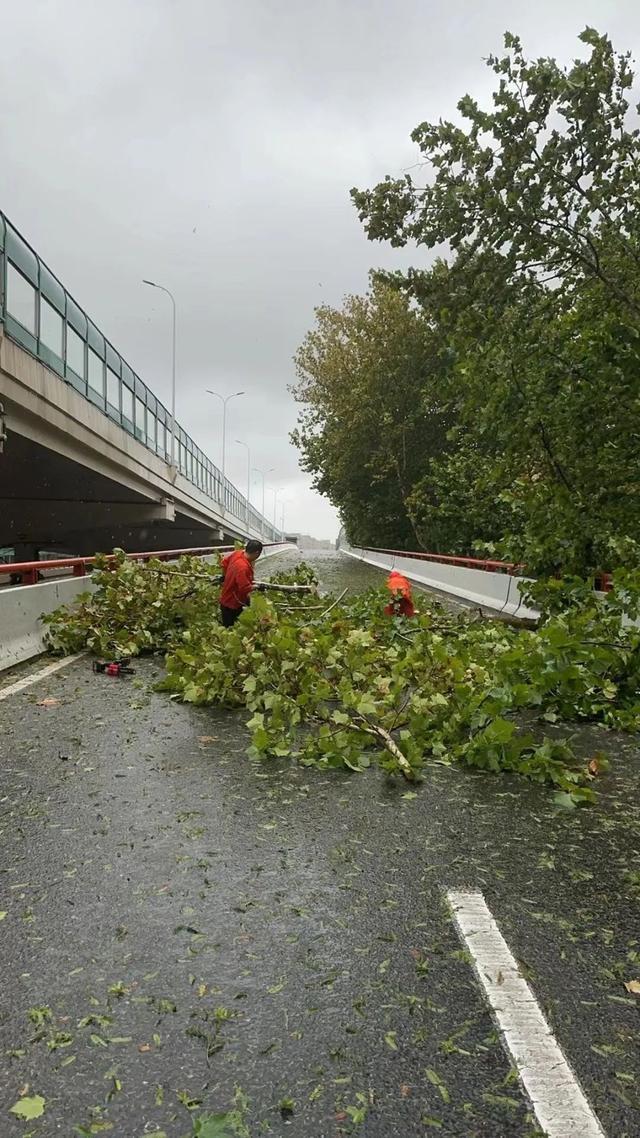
x: 195, y: 924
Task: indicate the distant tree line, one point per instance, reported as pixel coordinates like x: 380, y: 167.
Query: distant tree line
x: 491, y: 402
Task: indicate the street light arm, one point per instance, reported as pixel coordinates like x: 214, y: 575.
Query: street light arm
x: 224, y: 400
x: 162, y: 289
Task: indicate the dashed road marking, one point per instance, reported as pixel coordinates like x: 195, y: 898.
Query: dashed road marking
x: 557, y: 1098
x: 27, y: 681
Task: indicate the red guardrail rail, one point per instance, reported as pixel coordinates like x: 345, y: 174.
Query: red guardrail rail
x: 30, y: 570
x: 602, y: 581
x: 511, y: 567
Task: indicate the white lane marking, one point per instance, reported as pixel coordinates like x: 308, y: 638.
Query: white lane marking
x: 555, y: 1093
x: 27, y: 681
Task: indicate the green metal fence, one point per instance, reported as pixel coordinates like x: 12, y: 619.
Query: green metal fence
x: 38, y: 313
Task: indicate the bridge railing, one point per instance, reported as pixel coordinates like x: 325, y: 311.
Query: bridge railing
x: 602, y: 580
x: 31, y: 572
x: 511, y: 567
x: 39, y: 314
x: 482, y: 584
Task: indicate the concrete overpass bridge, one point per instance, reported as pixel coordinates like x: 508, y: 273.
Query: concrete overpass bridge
x: 86, y: 459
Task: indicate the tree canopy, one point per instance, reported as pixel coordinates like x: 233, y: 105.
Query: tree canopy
x: 490, y: 400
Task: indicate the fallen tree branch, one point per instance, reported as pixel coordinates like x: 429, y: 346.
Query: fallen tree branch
x: 389, y: 744
x: 297, y: 608
x: 218, y: 579
x: 287, y: 588
x: 213, y: 580
x: 336, y: 602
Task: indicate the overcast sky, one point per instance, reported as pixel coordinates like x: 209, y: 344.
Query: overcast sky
x: 211, y: 145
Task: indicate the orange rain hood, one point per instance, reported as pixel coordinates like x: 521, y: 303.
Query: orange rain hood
x: 396, y: 583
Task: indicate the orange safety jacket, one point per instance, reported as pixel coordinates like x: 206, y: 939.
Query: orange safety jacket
x: 400, y: 590
x: 238, y: 580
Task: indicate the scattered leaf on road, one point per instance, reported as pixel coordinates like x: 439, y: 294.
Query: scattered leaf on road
x: 633, y: 986
x: 28, y: 1108
x: 563, y: 798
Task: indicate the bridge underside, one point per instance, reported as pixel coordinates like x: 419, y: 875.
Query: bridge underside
x: 51, y: 502
x: 74, y: 480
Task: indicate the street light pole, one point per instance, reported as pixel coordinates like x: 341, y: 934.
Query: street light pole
x: 161, y: 288
x: 276, y: 493
x: 224, y: 400
x: 262, y: 475
x: 241, y: 444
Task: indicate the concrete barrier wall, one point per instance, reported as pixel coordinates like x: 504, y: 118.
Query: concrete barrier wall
x: 497, y: 591
x: 21, y: 606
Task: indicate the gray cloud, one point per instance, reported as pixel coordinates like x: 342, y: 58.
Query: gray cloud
x: 211, y: 146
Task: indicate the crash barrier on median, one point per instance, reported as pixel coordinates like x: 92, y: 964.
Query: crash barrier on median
x: 490, y: 584
x: 22, y: 606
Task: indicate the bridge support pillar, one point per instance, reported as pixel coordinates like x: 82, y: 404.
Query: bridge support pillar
x: 25, y: 551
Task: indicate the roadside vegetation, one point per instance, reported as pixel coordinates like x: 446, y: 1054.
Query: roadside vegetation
x: 488, y: 400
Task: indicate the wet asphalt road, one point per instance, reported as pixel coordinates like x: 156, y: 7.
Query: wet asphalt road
x: 183, y: 926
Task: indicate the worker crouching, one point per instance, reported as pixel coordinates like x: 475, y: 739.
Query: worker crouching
x: 238, y: 581
x: 401, y: 603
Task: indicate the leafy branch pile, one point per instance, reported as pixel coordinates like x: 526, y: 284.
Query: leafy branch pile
x: 338, y: 685
x: 135, y: 608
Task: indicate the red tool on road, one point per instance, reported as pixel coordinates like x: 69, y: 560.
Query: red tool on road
x: 113, y: 667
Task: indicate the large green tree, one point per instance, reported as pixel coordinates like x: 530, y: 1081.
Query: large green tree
x: 548, y: 177
x: 368, y: 379
x: 536, y: 198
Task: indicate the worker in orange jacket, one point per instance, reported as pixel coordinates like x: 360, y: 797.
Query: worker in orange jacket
x: 401, y: 603
x: 238, y: 583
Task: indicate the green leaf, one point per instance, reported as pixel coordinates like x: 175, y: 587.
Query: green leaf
x: 500, y: 731
x: 340, y: 717
x: 214, y: 1125
x: 28, y: 1108
x: 565, y: 800
x: 391, y: 1040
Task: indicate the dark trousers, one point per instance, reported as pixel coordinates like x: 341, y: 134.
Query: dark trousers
x: 229, y: 616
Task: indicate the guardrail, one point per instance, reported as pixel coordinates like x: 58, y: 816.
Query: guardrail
x: 511, y: 567
x: 30, y: 571
x: 38, y: 313
x: 490, y: 584
x: 602, y: 580
x: 21, y: 609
